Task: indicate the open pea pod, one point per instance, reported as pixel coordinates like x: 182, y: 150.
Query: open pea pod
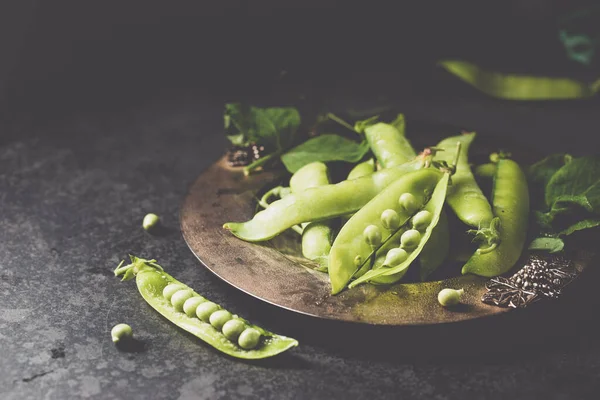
x: 193, y: 313
x: 321, y: 202
x: 434, y: 206
x: 377, y: 222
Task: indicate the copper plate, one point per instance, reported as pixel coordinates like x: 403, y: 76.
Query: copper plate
x: 273, y: 271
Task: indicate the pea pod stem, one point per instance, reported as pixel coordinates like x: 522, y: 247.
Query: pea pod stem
x: 260, y: 162
x: 340, y: 121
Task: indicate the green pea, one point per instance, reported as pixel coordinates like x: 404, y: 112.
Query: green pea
x: 150, y: 221
x: 191, y: 304
x: 205, y: 310
x: 218, y: 318
x: 249, y: 338
x: 395, y: 257
x: 171, y: 288
x: 450, y: 297
x: 408, y: 202
x: 410, y: 239
x: 233, y: 329
x: 390, y: 220
x: 372, y: 235
x: 121, y: 332
x: 180, y: 297
x: 421, y: 220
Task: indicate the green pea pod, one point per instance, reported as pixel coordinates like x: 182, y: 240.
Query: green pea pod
x: 486, y: 170
x: 520, y: 87
x: 388, y: 141
x: 356, y: 241
x: 435, y: 206
x: 320, y: 203
x: 364, y: 168
x: 510, y: 198
x: 152, y: 280
x: 436, y: 249
x: 311, y: 175
x: 464, y: 195
x: 316, y: 236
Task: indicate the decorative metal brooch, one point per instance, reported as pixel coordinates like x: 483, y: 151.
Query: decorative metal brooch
x: 539, y: 278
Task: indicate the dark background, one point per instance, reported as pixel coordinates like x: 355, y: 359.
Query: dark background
x: 111, y: 109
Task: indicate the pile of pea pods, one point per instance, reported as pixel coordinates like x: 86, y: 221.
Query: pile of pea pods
x: 393, y: 211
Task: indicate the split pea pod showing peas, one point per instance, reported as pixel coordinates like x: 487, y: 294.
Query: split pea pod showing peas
x: 413, y: 240
x: 319, y: 203
x: 365, y: 232
x: 316, y: 236
x: 510, y: 199
x: 206, y: 320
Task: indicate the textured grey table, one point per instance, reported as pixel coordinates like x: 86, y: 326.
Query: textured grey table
x: 74, y: 187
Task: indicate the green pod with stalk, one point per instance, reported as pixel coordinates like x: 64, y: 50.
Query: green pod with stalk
x: 510, y: 199
x: 321, y: 202
x: 464, y: 195
x: 202, y: 318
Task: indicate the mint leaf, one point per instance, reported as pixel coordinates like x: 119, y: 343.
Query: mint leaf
x: 275, y: 127
x: 549, y: 244
x: 324, y: 148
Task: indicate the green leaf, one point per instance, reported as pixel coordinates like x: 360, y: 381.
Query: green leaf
x: 549, y: 244
x: 274, y: 128
x: 324, y: 148
x: 580, y: 225
x: 540, y: 173
x: 576, y: 179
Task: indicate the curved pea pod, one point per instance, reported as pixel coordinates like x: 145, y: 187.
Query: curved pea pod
x: 179, y: 306
x: 311, y: 175
x: 436, y: 249
x: 356, y: 241
x: 510, y: 198
x: 520, y: 87
x: 316, y: 236
x: 319, y: 203
x: 364, y: 168
x: 387, y: 275
x: 388, y: 142
x: 464, y: 196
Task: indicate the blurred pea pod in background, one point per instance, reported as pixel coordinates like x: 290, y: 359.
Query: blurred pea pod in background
x: 579, y: 33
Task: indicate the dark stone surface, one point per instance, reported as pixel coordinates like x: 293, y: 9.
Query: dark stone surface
x: 74, y: 187
x: 113, y: 109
